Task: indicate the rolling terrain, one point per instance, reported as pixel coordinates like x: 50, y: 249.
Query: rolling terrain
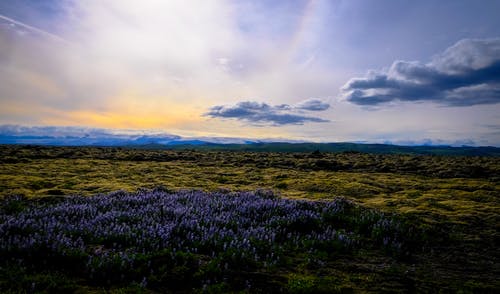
x: 449, y: 204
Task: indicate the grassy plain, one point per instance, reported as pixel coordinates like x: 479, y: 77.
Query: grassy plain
x: 456, y: 198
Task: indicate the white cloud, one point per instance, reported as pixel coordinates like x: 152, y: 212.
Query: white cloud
x: 120, y: 49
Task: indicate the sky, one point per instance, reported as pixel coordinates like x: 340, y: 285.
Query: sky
x: 388, y: 71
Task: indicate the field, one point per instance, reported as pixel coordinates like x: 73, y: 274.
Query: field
x: 342, y: 222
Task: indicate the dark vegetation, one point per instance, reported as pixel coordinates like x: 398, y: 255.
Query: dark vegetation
x: 352, y: 161
x: 337, y: 147
x: 152, y: 144
x: 408, y: 222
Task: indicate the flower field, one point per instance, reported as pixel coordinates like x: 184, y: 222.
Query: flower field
x: 160, y: 240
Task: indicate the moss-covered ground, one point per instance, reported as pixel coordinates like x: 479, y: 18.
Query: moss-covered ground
x: 455, y: 198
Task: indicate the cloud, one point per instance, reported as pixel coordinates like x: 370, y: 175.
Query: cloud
x: 313, y: 105
x: 466, y: 74
x: 263, y: 113
x: 13, y: 22
x: 120, y: 54
x: 76, y: 132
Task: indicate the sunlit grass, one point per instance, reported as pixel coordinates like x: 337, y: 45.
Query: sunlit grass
x: 392, y: 191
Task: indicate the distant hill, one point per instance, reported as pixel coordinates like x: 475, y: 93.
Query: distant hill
x: 250, y: 146
x: 335, y: 147
x: 77, y: 136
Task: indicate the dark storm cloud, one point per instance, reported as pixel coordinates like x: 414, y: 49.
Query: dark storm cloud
x: 468, y: 73
x: 263, y: 113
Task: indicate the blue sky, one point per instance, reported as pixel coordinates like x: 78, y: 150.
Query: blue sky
x: 373, y: 71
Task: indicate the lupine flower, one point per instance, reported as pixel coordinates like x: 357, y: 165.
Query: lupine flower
x: 113, y: 229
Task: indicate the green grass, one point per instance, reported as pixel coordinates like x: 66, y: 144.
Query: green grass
x: 456, y: 196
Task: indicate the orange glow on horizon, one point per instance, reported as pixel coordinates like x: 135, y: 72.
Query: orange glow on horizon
x: 135, y: 119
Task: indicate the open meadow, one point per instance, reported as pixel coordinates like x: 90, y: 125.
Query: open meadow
x: 130, y: 220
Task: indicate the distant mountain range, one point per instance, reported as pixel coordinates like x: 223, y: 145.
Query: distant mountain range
x: 76, y: 136
x: 120, y: 140
x: 79, y: 136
